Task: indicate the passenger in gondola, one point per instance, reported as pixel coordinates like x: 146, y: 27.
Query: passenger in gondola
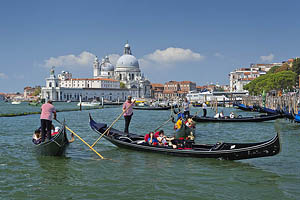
x: 222, y: 114
x: 231, y: 115
x: 190, y: 123
x: 163, y: 139
x: 178, y: 123
x: 36, y: 138
x: 217, y: 115
x: 152, y: 140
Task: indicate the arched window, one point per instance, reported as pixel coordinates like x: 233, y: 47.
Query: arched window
x: 50, y: 84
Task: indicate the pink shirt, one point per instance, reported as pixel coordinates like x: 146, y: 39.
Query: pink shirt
x: 47, y: 110
x: 129, y: 111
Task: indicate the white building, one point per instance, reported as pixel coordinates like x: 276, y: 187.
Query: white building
x: 240, y: 77
x: 105, y: 84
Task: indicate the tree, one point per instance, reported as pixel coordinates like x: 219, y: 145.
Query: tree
x: 296, y: 66
x: 122, y: 85
x: 278, y: 81
x: 37, y: 91
x: 273, y: 69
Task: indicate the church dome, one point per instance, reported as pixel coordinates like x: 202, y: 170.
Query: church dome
x: 127, y: 62
x: 106, y: 65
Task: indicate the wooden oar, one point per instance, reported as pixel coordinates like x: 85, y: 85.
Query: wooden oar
x: 112, y: 124
x: 81, y: 140
x: 163, y: 124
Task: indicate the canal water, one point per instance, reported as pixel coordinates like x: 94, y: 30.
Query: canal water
x: 80, y: 174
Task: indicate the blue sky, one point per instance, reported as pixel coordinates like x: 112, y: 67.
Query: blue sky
x: 201, y: 41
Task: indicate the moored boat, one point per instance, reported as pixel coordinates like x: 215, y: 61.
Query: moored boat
x: 227, y: 151
x: 16, y: 102
x: 55, y: 147
x: 151, y: 108
x: 260, y: 118
x: 92, y: 103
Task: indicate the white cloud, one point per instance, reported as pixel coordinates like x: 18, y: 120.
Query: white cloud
x: 173, y: 55
x: 84, y: 59
x: 268, y: 58
x: 219, y: 55
x: 3, y: 76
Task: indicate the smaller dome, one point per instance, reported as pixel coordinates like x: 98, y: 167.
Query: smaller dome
x: 96, y: 58
x: 107, y: 67
x: 126, y: 45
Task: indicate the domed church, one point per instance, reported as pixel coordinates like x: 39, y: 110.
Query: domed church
x: 127, y: 71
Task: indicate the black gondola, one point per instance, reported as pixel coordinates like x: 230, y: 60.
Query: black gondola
x: 260, y: 118
x: 55, y: 147
x: 151, y: 108
x: 227, y: 151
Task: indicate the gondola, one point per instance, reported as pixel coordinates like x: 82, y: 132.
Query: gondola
x: 226, y: 151
x: 55, y: 147
x: 244, y: 107
x: 151, y: 108
x: 260, y: 118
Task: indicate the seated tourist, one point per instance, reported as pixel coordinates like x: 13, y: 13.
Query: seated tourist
x: 217, y: 115
x: 152, y: 140
x: 190, y: 123
x: 36, y: 138
x: 162, y: 139
x: 231, y: 115
x: 178, y: 124
x: 222, y: 115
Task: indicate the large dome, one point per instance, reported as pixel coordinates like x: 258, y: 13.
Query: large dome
x: 128, y: 61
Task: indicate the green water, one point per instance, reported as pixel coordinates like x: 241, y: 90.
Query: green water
x: 80, y: 174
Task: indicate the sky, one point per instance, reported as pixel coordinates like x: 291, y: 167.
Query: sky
x: 201, y: 41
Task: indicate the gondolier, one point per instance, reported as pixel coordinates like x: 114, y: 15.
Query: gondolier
x: 127, y: 109
x: 46, y: 119
x: 204, y: 106
x: 186, y: 108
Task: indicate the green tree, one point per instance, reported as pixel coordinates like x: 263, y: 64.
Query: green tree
x: 273, y: 69
x: 37, y: 91
x: 296, y: 66
x: 277, y: 81
x: 122, y: 85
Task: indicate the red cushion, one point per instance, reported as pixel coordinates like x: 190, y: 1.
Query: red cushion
x: 54, y: 133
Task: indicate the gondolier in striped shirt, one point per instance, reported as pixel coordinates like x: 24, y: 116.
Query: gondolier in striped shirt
x: 128, y: 113
x: 46, y: 119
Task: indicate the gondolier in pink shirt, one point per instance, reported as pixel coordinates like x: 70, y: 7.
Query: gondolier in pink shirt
x: 46, y: 119
x: 128, y: 113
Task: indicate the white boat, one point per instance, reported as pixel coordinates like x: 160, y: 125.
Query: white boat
x: 92, y: 103
x: 16, y: 102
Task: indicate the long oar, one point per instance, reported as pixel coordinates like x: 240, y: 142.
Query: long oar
x: 81, y: 139
x: 163, y: 124
x: 112, y: 124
